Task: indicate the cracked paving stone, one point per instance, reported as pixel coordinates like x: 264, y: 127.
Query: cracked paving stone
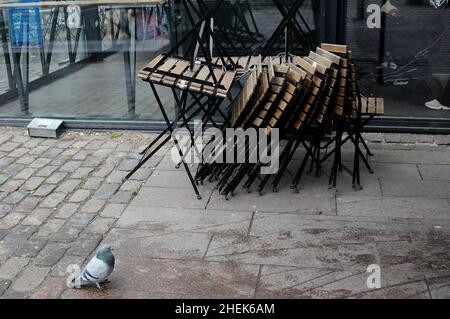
x: 68, y: 186
x: 80, y: 219
x: 12, y: 185
x: 3, y: 233
x: 30, y: 279
x: 106, y: 191
x: 55, y: 178
x: 79, y: 196
x: 28, y: 204
x: 92, y: 206
x: 50, y: 227
x: 67, y: 210
x: 44, y: 190
x: 51, y: 254
x: 20, y: 234
x: 85, y: 245
x: 46, y: 171
x: 37, y: 217
x: 66, y: 234
x: 31, y: 248
x: 12, y: 267
x: 4, y: 284
x: 53, y: 200
x: 32, y: 183
x: 93, y: 183
x: 14, y: 197
x: 113, y: 210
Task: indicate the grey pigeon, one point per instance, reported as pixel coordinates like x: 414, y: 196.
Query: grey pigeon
x: 98, y: 269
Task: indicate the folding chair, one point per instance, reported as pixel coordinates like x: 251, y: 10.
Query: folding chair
x: 201, y: 80
x: 348, y: 115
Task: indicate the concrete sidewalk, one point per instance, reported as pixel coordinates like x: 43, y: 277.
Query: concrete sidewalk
x: 59, y: 199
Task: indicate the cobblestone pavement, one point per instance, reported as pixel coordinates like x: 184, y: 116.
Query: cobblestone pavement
x: 59, y: 199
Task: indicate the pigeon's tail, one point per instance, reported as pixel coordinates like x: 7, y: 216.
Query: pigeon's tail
x: 78, y: 282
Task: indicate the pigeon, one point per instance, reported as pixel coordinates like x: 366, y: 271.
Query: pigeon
x: 97, y: 270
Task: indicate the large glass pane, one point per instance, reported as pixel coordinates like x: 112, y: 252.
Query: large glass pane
x: 79, y: 59
x: 84, y: 61
x: 402, y: 48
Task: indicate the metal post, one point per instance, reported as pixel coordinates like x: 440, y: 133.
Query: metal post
x: 6, y: 51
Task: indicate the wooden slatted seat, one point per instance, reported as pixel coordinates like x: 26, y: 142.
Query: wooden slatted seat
x: 372, y: 105
x: 176, y: 72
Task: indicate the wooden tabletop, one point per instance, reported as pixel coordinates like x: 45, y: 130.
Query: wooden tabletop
x: 81, y: 3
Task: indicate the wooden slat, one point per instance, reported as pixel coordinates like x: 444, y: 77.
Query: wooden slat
x: 304, y: 65
x: 380, y: 106
x: 328, y: 55
x: 335, y: 48
x: 320, y: 59
x: 371, y: 105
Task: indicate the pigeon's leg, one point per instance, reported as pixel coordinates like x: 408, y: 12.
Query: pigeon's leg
x: 98, y: 286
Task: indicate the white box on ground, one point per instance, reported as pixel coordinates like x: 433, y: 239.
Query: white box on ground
x: 40, y: 127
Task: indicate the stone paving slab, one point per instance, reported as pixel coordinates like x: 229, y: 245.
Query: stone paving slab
x: 166, y: 220
x: 405, y: 207
x: 174, y: 245
x: 293, y: 283
x: 60, y: 199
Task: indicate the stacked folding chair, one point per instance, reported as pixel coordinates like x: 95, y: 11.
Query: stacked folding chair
x: 199, y: 86
x: 289, y: 97
x: 350, y: 105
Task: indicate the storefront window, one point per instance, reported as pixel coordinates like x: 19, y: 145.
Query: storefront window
x: 402, y: 48
x: 79, y: 59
